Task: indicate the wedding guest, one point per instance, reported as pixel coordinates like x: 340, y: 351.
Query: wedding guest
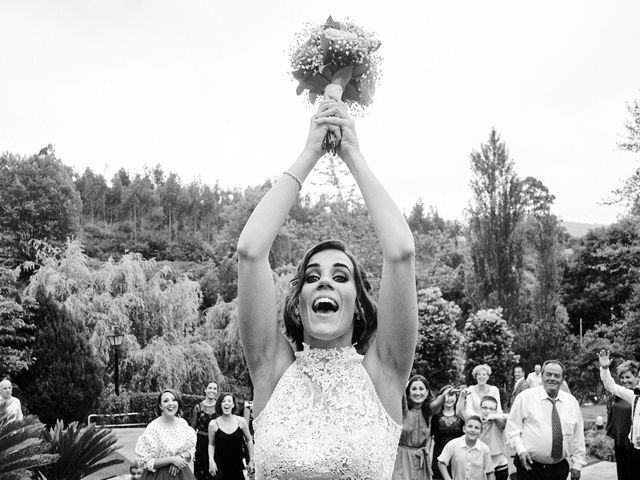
x: 623, y: 422
x: 135, y: 473
x: 229, y: 437
x: 446, y: 424
x: 203, y: 413
x: 468, y: 456
x: 9, y: 405
x: 492, y: 435
x: 545, y: 427
x: 168, y: 444
x: 534, y: 379
x: 412, y: 460
x: 520, y: 384
x: 472, y: 395
x: 347, y: 351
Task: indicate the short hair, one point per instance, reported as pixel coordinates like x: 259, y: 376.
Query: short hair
x: 519, y: 366
x: 558, y: 362
x: 221, y: 398
x: 488, y: 398
x: 134, y: 466
x: 477, y: 368
x: 630, y: 366
x: 473, y: 417
x: 366, y: 308
x: 176, y: 395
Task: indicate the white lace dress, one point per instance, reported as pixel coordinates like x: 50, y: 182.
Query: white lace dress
x: 324, y: 420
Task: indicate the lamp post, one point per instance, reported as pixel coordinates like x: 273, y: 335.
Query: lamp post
x: 115, y: 340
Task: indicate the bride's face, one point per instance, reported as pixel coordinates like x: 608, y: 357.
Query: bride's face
x: 328, y: 299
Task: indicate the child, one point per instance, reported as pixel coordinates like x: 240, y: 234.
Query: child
x: 135, y: 473
x: 470, y: 457
x: 492, y: 435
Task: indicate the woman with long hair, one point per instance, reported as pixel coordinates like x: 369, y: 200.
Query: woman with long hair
x: 168, y: 444
x: 339, y: 348
x: 228, y: 438
x: 203, y: 413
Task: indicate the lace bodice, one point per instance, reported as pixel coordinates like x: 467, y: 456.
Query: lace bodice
x: 324, y: 421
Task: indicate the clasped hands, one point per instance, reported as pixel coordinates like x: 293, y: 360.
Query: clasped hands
x: 177, y: 463
x: 332, y: 116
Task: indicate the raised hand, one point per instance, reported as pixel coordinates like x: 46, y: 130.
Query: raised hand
x: 318, y: 130
x: 604, y: 359
x: 334, y: 115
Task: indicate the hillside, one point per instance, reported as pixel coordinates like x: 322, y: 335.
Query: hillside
x: 577, y: 229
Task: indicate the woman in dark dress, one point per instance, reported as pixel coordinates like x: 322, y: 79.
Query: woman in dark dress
x: 203, y: 413
x: 446, y: 425
x: 619, y: 424
x: 228, y: 437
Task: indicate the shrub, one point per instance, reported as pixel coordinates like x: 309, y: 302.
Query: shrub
x: 82, y: 450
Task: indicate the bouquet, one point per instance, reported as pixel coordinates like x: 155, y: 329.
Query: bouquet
x: 337, y: 60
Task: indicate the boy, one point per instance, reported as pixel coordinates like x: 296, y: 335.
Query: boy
x: 470, y: 457
x: 135, y: 473
x: 492, y: 435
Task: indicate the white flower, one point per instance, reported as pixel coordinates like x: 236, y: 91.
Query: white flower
x: 335, y: 34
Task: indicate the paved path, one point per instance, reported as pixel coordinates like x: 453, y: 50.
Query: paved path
x: 600, y: 471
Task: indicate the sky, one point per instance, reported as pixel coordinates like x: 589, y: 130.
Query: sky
x: 203, y: 88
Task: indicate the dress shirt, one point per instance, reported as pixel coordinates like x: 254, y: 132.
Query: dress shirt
x: 627, y: 395
x: 467, y: 463
x: 529, y: 426
x: 13, y: 409
x: 534, y: 379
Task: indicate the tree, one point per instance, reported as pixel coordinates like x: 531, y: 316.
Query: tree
x: 632, y: 141
x: 496, y: 241
x: 16, y: 338
x: 598, y: 278
x: 38, y: 200
x: 64, y: 382
x: 437, y: 354
x: 488, y: 339
x: 93, y: 192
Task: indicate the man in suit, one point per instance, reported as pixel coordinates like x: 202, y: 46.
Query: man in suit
x: 520, y: 384
x: 546, y: 428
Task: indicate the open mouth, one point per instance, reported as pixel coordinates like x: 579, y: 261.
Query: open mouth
x: 324, y: 305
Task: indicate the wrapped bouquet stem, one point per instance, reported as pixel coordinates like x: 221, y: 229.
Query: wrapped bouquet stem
x: 337, y: 60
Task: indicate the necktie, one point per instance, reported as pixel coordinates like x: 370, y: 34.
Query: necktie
x: 556, y: 432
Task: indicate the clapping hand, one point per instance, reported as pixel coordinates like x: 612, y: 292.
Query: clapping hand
x: 603, y: 357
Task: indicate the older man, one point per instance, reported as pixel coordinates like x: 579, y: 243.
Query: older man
x: 520, y: 384
x: 546, y: 429
x: 534, y: 379
x: 9, y: 405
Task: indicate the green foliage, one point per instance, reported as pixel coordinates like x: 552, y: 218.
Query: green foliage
x: 488, y: 339
x: 38, y: 200
x: 437, y: 354
x: 22, y: 447
x: 64, y: 381
x: 186, y: 364
x: 496, y: 241
x: 16, y: 338
x: 599, y: 445
x: 82, y: 450
x: 599, y: 278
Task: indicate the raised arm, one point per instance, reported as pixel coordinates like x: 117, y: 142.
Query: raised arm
x: 267, y: 352
x: 394, y: 344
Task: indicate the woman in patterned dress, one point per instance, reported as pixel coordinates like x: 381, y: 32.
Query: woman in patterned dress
x: 203, y: 413
x: 168, y: 444
x: 340, y: 348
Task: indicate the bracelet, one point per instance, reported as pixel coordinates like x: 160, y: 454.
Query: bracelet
x: 286, y: 172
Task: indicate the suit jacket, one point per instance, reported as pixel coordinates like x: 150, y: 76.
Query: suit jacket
x: 519, y: 387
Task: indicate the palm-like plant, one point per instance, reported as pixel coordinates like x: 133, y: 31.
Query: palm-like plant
x: 82, y: 450
x: 22, y: 447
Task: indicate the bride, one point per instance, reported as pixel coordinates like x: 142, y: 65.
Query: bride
x: 332, y: 407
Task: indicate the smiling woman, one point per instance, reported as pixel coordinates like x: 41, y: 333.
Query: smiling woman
x: 339, y: 350
x: 168, y: 444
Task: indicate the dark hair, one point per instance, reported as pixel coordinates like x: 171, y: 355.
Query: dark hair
x: 558, y: 362
x: 426, y: 409
x: 366, y: 309
x: 488, y: 398
x: 519, y: 366
x: 221, y: 397
x: 176, y: 395
x: 630, y: 366
x: 473, y: 417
